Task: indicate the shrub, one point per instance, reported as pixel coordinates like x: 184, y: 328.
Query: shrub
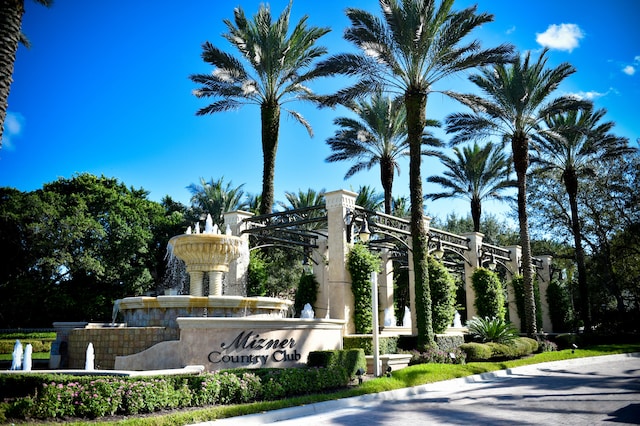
x: 489, y: 301
x: 560, y: 307
x: 350, y: 359
x: 443, y: 295
x: 476, y: 351
x: 438, y: 356
x: 307, y: 292
x: 257, y: 274
x: 361, y: 263
x: 492, y: 330
x: 387, y: 344
x: 545, y: 345
x: 448, y: 342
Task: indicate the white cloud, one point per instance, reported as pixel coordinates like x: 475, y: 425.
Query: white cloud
x: 591, y: 95
x: 511, y: 30
x: 629, y: 70
x: 13, y: 124
x: 560, y: 37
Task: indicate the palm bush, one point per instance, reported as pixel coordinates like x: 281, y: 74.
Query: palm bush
x: 492, y: 330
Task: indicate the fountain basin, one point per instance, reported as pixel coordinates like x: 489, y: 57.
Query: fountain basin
x: 206, y: 252
x: 163, y: 311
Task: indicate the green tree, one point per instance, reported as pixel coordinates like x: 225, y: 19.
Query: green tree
x: 514, y: 102
x: 415, y: 45
x: 475, y: 174
x: 368, y: 198
x: 214, y: 198
x: 11, y: 12
x: 489, y: 300
x: 360, y: 264
x: 579, y: 137
x: 443, y: 294
x: 303, y: 199
x: 281, y: 63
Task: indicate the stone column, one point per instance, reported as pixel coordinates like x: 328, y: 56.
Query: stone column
x: 195, y: 283
x: 513, y: 267
x: 475, y: 244
x: 338, y: 284
x: 544, y: 279
x: 319, y: 264
x: 236, y: 278
x: 385, y: 286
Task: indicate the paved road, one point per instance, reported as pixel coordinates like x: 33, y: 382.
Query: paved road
x: 586, y: 391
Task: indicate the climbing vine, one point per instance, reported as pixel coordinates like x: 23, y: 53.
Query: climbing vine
x: 361, y: 263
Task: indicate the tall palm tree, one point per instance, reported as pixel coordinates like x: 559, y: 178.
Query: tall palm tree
x: 281, y: 64
x: 579, y: 139
x: 215, y: 198
x: 476, y: 174
x: 513, y: 105
x: 415, y: 45
x: 378, y: 136
x: 11, y: 13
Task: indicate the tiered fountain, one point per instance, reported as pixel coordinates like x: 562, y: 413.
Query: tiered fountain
x: 216, y: 331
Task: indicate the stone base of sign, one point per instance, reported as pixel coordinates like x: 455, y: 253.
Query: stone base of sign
x: 395, y: 361
x: 223, y: 343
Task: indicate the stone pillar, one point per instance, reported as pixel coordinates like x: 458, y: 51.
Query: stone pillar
x: 475, y: 244
x: 513, y: 266
x: 338, y: 284
x: 544, y: 279
x: 195, y: 283
x: 319, y: 263
x: 385, y: 286
x: 236, y: 278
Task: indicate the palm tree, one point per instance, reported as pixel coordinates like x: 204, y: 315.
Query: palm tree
x: 11, y: 12
x: 513, y: 105
x: 368, y: 198
x: 579, y: 139
x: 302, y: 199
x: 378, y: 136
x: 475, y: 174
x: 215, y: 198
x: 282, y: 67
x: 415, y: 44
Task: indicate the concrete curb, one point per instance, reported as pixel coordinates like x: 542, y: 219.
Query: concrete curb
x: 398, y: 394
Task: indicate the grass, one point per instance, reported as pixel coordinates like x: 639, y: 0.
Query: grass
x: 412, y: 376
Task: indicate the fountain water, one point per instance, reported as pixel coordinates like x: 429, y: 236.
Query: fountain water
x: 89, y: 358
x: 406, y: 320
x: 27, y: 361
x: 389, y: 317
x: 16, y: 356
x: 307, y: 311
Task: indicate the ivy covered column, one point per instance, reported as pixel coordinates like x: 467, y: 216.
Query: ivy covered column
x: 475, y: 244
x: 337, y: 286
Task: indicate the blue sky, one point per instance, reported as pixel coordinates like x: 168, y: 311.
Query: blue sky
x: 104, y: 89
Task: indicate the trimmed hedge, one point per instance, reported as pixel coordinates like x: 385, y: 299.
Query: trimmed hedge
x: 517, y: 348
x: 387, y: 344
x: 351, y: 360
x: 48, y: 396
x: 449, y: 342
x: 38, y: 345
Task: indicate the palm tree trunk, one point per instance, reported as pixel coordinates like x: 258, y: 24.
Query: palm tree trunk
x: 386, y: 178
x: 416, y: 105
x: 520, y: 150
x: 476, y: 211
x: 270, y: 120
x: 11, y: 12
x: 571, y: 184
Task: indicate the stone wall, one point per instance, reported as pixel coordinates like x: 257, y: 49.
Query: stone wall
x: 111, y: 342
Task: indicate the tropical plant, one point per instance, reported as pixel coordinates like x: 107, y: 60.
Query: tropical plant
x: 215, y: 198
x: 368, y: 198
x: 579, y: 137
x: 513, y: 105
x: 476, y: 174
x: 303, y: 199
x: 11, y: 35
x: 492, y: 330
x: 408, y: 51
x: 282, y: 66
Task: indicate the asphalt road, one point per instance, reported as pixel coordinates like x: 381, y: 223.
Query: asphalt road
x: 585, y: 391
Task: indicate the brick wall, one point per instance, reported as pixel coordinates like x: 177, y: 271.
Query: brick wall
x: 111, y: 342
